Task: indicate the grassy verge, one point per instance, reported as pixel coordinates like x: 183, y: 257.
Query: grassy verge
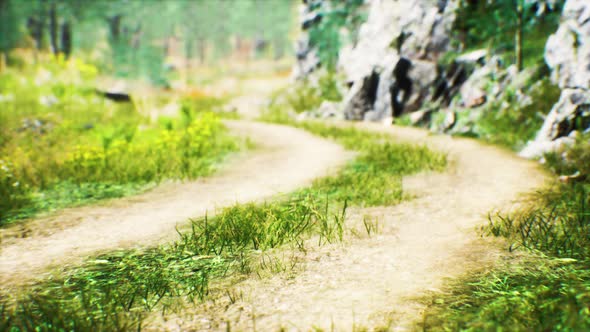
x: 117, y: 291
x: 549, y: 292
x: 374, y: 177
x: 61, y: 144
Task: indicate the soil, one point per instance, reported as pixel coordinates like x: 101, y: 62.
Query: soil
x: 368, y: 281
x: 284, y: 159
x: 380, y: 282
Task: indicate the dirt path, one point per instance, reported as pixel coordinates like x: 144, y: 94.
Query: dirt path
x: 287, y: 159
x: 375, y: 282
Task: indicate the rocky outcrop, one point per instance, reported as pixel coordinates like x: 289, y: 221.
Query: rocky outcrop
x: 398, y: 47
x: 307, y: 55
x: 361, y: 97
x: 567, y: 53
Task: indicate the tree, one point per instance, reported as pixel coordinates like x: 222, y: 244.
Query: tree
x: 502, y: 23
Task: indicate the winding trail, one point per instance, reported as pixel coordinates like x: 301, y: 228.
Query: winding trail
x: 377, y: 282
x: 287, y: 158
x: 367, y: 282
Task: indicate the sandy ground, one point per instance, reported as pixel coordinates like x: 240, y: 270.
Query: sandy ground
x: 377, y: 282
x: 286, y: 159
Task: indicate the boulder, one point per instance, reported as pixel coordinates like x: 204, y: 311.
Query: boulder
x: 567, y: 54
x: 361, y: 97
x: 422, y: 117
x: 310, y: 13
x: 398, y: 48
x: 473, y: 57
x: 570, y: 115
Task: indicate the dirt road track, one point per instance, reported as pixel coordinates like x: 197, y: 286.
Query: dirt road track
x: 375, y: 282
x: 287, y: 158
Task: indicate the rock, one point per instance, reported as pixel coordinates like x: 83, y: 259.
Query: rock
x: 567, y: 51
x: 417, y: 30
x: 477, y: 56
x: 476, y: 89
x: 120, y: 97
x: 448, y: 82
x: 572, y: 112
x: 117, y: 91
x: 307, y: 57
x: 400, y: 43
x: 422, y: 117
x: 567, y: 54
x: 361, y: 97
x: 577, y: 176
x: 329, y: 109
x: 36, y: 126
x: 449, y: 121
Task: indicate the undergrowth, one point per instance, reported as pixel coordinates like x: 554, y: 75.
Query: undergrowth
x: 116, y: 291
x: 549, y: 292
x: 510, y: 123
x: 374, y: 177
x: 56, y: 133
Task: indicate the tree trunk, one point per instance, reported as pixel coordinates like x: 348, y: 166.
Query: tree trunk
x: 53, y: 28
x: 518, y: 40
x: 66, y: 39
x: 2, y: 61
x: 115, y: 27
x: 202, y: 50
x: 188, y: 54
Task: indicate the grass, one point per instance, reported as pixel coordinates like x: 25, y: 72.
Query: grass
x: 374, y: 177
x: 117, y: 291
x: 549, y: 290
x: 514, y: 125
x: 58, y: 136
x: 67, y: 194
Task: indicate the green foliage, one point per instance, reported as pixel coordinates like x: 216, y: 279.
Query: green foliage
x: 41, y: 122
x: 537, y: 296
x: 547, y: 293
x: 506, y: 122
x: 374, y: 177
x: 326, y: 36
x: 328, y: 86
x: 559, y: 227
x: 572, y: 160
x: 133, y: 39
x: 67, y: 194
x: 494, y: 24
x: 116, y: 291
x: 306, y: 96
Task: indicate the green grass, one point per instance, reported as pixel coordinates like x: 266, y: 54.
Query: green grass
x: 94, y: 148
x: 67, y: 194
x: 537, y: 295
x: 548, y: 292
x: 116, y: 291
x: 515, y: 125
x: 374, y: 177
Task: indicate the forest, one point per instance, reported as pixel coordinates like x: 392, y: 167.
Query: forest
x: 315, y: 165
